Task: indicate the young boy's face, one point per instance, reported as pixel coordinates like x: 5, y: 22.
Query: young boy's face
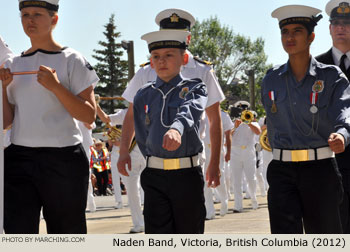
x: 167, y: 62
x: 296, y: 39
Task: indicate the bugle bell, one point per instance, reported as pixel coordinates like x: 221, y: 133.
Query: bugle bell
x: 264, y: 141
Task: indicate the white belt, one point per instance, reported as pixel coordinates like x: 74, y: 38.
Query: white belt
x: 302, y: 155
x: 172, y: 163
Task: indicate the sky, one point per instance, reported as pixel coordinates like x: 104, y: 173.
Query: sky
x: 81, y: 23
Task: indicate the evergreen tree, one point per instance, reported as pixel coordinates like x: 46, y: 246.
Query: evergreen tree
x: 111, y: 69
x: 231, y: 54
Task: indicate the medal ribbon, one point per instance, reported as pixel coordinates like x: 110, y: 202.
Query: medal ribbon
x: 146, y: 109
x: 272, y: 95
x: 313, y: 98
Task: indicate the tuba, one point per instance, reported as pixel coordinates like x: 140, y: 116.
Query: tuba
x: 247, y: 116
x: 264, y: 141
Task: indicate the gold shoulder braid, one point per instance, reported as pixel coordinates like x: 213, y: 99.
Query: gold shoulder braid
x: 202, y: 61
x: 145, y: 64
x: 132, y: 145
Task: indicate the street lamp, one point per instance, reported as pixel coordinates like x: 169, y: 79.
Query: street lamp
x: 128, y: 45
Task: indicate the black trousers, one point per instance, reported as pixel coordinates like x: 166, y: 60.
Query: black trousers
x: 174, y: 201
x: 102, y: 181
x: 343, y: 160
x: 304, y: 196
x: 54, y: 179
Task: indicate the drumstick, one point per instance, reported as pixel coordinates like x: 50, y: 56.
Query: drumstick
x: 29, y: 72
x: 23, y: 73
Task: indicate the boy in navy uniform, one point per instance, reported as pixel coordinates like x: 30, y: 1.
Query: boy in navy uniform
x: 167, y: 114
x: 307, y: 106
x: 176, y: 19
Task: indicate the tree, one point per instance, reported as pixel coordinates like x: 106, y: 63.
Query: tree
x: 232, y: 55
x: 111, y: 69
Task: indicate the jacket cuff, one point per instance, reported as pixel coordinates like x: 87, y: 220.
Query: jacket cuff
x: 178, y: 126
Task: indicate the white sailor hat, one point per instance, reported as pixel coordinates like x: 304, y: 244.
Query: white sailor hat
x: 175, y: 19
x: 167, y: 39
x: 338, y: 9
x: 297, y: 14
x: 242, y: 104
x: 47, y: 4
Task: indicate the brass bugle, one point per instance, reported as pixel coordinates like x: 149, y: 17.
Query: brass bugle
x: 112, y: 98
x: 247, y: 116
x: 264, y: 141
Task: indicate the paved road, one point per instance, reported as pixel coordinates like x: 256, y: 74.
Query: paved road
x: 107, y: 220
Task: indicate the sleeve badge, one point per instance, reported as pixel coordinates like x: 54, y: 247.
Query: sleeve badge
x: 183, y: 92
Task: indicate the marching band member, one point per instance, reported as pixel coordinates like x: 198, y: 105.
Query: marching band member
x: 46, y: 166
x: 243, y: 158
x: 175, y: 19
x: 132, y: 181
x: 167, y: 113
x: 307, y: 121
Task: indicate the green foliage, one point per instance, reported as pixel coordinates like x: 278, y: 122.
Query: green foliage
x: 232, y: 55
x: 111, y: 69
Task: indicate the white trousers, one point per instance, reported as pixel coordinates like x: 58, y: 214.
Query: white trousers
x: 132, y: 184
x: 116, y: 175
x: 228, y: 175
x: 243, y: 161
x: 259, y: 175
x: 90, y: 204
x: 267, y: 157
x: 221, y: 189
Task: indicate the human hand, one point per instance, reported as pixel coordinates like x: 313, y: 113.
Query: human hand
x: 123, y: 162
x: 171, y: 140
x: 336, y: 143
x: 227, y: 156
x: 6, y: 77
x: 213, y: 176
x: 48, y: 78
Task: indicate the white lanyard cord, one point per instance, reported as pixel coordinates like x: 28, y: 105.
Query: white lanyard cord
x: 164, y: 96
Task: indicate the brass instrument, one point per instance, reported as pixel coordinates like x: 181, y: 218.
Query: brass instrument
x: 264, y: 141
x: 247, y: 116
x: 113, y: 134
x: 98, y: 98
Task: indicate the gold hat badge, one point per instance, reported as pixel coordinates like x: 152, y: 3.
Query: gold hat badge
x: 343, y: 8
x: 174, y: 18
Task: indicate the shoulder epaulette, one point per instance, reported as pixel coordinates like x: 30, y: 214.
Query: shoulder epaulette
x: 202, y: 61
x: 145, y: 64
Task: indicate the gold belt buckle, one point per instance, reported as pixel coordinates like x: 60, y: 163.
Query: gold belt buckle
x: 243, y: 147
x: 300, y: 155
x: 171, y: 164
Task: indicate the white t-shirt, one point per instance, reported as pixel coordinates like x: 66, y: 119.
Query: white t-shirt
x: 5, y: 52
x: 193, y: 69
x: 40, y: 119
